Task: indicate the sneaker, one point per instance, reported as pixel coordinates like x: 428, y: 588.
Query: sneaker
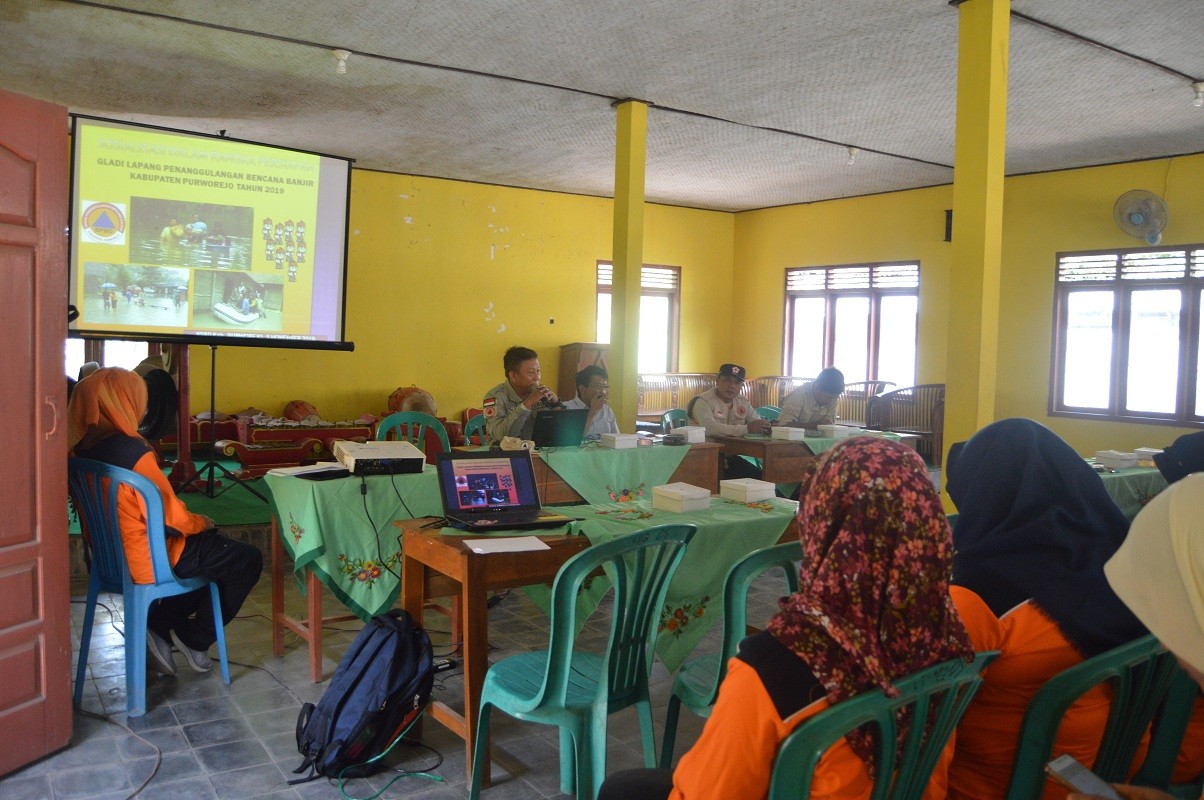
x: 159, y: 652
x: 199, y: 660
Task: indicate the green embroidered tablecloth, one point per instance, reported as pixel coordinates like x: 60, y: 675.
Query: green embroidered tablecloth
x: 602, y: 475
x: 727, y: 531
x: 1133, y: 487
x: 353, y: 551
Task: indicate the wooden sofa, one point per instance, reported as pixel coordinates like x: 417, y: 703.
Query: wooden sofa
x: 911, y: 410
x: 854, y: 402
x: 657, y: 393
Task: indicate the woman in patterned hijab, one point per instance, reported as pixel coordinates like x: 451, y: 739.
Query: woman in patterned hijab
x: 874, y: 602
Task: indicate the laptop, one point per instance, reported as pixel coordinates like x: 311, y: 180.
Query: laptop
x: 491, y: 490
x: 559, y: 427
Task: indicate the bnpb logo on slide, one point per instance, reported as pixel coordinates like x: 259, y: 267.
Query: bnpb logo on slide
x: 104, y: 223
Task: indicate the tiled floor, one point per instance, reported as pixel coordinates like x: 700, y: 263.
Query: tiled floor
x: 238, y: 741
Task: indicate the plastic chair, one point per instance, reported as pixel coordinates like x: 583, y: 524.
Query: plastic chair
x: 412, y: 426
x: 476, y: 427
x: 770, y: 413
x: 940, y: 693
x: 577, y: 690
x: 93, y: 487
x: 697, y: 683
x: 674, y: 418
x: 1141, y: 674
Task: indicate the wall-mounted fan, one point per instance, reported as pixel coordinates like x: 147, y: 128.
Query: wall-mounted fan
x: 1142, y: 214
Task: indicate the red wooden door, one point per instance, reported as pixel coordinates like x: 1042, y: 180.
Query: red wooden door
x: 35, y: 622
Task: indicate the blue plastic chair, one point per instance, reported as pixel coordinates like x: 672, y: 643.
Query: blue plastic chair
x: 697, y: 683
x: 941, y: 693
x: 476, y: 427
x: 93, y: 487
x: 411, y: 426
x: 576, y: 690
x: 770, y: 413
x: 674, y: 418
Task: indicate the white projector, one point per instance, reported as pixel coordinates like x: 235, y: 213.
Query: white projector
x: 379, y: 458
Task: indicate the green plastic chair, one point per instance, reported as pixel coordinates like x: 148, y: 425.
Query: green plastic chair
x: 411, y: 426
x: 673, y: 418
x: 1141, y: 674
x: 941, y: 693
x: 770, y: 413
x: 576, y: 690
x: 1170, y: 726
x: 476, y: 427
x: 697, y: 683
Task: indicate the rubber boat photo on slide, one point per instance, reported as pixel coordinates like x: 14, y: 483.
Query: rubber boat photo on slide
x: 227, y: 312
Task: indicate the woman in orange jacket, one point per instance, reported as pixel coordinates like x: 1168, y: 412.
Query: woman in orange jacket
x: 874, y: 607
x: 1034, y: 528
x: 102, y: 424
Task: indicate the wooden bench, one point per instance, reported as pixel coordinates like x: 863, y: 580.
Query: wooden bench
x: 854, y: 403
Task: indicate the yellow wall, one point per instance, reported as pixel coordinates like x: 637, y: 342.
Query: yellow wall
x: 438, y: 267
x: 443, y: 276
x: 1043, y: 215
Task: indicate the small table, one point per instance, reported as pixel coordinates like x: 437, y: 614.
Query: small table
x: 436, y: 566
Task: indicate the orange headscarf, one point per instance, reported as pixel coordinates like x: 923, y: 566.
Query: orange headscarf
x: 109, y: 401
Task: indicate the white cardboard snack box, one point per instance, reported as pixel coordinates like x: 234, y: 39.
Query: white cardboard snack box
x: 789, y: 434
x: 619, y: 441
x: 1113, y: 459
x: 693, y: 433
x: 837, y: 431
x: 680, y: 497
x: 746, y: 490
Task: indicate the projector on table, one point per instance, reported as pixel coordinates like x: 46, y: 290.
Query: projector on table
x: 379, y: 458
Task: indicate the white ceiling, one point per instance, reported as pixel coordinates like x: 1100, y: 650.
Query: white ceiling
x: 754, y: 104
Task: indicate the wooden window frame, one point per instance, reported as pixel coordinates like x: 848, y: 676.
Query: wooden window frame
x: 673, y: 294
x: 1191, y: 288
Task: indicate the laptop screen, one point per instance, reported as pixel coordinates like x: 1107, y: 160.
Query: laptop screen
x: 560, y: 427
x: 473, y: 481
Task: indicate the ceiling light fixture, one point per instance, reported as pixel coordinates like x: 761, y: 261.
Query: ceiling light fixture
x: 853, y: 151
x: 341, y: 55
x: 1198, y: 86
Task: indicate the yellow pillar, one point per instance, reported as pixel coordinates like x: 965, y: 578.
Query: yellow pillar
x: 978, y: 172
x: 628, y: 254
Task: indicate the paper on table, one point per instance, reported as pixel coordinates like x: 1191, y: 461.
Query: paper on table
x: 511, y: 544
x: 319, y: 467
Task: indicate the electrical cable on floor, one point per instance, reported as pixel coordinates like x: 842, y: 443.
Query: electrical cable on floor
x: 158, y: 753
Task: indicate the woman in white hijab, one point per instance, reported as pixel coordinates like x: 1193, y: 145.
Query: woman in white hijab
x: 1159, y: 574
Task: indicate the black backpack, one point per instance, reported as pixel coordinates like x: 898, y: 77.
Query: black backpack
x: 381, y: 685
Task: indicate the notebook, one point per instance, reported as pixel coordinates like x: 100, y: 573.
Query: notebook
x: 559, y: 427
x: 492, y: 490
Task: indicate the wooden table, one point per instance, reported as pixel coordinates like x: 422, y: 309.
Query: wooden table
x: 436, y: 566
x: 699, y: 467
x: 782, y: 460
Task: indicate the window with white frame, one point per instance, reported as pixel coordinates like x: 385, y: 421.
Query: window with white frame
x: 859, y: 318
x: 1127, y: 335
x: 660, y: 300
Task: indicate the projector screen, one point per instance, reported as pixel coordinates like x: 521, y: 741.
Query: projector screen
x: 178, y: 236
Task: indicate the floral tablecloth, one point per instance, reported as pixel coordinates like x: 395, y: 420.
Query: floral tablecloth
x: 347, y: 537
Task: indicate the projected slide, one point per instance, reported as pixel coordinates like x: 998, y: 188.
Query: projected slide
x: 177, y: 236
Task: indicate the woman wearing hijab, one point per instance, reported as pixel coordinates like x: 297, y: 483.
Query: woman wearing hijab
x: 875, y: 607
x: 1034, y: 529
x: 1159, y: 574
x: 102, y: 424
